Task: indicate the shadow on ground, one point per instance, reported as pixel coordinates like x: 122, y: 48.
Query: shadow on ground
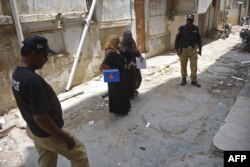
x: 183, y: 120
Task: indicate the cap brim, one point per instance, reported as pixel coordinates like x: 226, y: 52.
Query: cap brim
x: 52, y: 52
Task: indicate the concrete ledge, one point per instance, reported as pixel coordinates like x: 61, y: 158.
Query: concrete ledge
x: 235, y: 133
x: 47, y: 17
x: 116, y: 23
x: 5, y: 20
x: 77, y: 17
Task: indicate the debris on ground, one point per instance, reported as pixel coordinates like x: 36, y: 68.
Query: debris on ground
x: 216, y: 91
x: 245, y: 62
x: 148, y: 124
x: 237, y: 78
x: 91, y: 123
x: 143, y: 148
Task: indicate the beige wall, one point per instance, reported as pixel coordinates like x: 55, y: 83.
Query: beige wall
x: 232, y: 13
x: 8, y: 60
x: 160, y: 37
x: 48, y: 6
x: 65, y: 41
x: 185, y: 6
x: 1, y: 12
x: 157, y: 33
x: 57, y: 69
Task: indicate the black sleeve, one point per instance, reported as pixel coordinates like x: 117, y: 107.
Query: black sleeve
x: 199, y: 39
x: 108, y: 60
x: 177, y: 39
x: 137, y: 53
x: 38, y: 102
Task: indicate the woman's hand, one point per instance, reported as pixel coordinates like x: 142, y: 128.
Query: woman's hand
x: 132, y: 65
x: 142, y: 58
x: 104, y: 67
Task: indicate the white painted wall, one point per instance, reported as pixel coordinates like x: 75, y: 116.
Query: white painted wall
x: 185, y: 6
x: 157, y: 17
x: 113, y: 10
x: 157, y: 39
x: 50, y: 6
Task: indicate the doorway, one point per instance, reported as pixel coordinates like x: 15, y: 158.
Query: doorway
x: 140, y: 24
x: 239, y: 11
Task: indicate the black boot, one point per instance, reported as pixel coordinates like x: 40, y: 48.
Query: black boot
x: 195, y: 83
x: 183, y: 82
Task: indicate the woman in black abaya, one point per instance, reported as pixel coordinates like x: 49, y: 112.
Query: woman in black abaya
x: 118, y: 92
x: 129, y: 51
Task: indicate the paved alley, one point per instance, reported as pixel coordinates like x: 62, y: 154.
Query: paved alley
x: 168, y: 125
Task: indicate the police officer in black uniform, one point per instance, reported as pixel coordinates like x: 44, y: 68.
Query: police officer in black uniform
x: 186, y: 43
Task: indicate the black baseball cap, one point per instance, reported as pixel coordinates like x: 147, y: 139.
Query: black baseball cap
x: 190, y: 17
x: 35, y: 42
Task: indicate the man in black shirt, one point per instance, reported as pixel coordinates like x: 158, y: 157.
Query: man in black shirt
x: 41, y: 108
x: 186, y: 47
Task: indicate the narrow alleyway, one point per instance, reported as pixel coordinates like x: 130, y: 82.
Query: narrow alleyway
x: 182, y: 121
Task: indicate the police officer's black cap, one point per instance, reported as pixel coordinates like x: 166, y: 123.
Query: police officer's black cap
x: 35, y: 42
x: 190, y: 17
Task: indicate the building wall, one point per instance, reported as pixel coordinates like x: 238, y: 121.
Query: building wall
x: 179, y: 9
x: 183, y: 7
x: 231, y: 10
x: 48, y: 6
x: 39, y: 18
x: 107, y: 10
x: 157, y: 33
x: 1, y: 12
x: 9, y: 58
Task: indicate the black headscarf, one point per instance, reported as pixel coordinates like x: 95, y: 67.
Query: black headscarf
x: 127, y: 42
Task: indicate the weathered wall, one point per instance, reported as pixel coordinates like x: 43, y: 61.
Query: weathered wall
x: 233, y: 16
x: 63, y: 40
x: 184, y: 6
x: 110, y: 10
x: 1, y: 11
x: 9, y: 58
x: 57, y: 69
x: 48, y: 6
x: 158, y: 36
x: 211, y: 18
x: 230, y: 8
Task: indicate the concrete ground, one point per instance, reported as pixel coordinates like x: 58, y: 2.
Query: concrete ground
x: 182, y: 120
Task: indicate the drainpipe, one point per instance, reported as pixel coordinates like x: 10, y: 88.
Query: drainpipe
x: 17, y: 21
x: 78, y: 53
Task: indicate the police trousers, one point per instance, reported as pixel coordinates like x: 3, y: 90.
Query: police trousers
x: 191, y: 55
x: 48, y: 149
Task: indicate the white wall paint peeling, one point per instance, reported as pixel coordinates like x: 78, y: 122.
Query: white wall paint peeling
x: 157, y: 25
x: 114, y: 10
x: 50, y: 6
x: 157, y: 7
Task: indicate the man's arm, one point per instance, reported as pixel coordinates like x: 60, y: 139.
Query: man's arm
x: 199, y: 42
x: 45, y: 123
x: 177, y: 42
x: 39, y: 106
